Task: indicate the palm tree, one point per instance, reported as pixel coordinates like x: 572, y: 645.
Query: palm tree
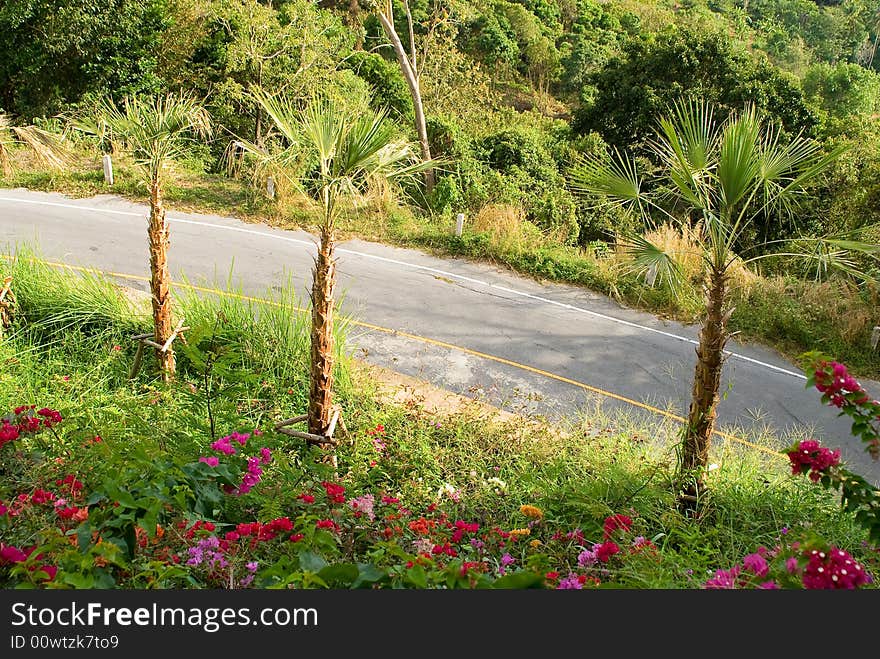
x: 154, y: 131
x: 723, y: 175
x: 352, y: 154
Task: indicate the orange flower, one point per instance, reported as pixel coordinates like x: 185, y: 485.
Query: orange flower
x: 520, y: 532
x: 531, y: 511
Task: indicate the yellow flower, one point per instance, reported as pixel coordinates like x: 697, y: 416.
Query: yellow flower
x: 531, y: 511
x: 518, y: 532
x: 535, y: 543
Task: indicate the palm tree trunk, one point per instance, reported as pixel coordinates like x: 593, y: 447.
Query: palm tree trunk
x: 704, y: 398
x: 321, y: 375
x: 160, y: 281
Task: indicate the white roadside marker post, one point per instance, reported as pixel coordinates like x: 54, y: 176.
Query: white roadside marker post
x: 459, y: 224
x: 270, y: 187
x: 108, y: 169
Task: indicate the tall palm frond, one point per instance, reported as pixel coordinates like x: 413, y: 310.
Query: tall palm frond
x: 653, y: 263
x: 612, y: 179
x: 686, y: 145
x: 47, y: 147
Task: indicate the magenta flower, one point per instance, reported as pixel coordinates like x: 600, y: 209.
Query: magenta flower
x: 212, y: 461
x: 756, y: 564
x: 723, y: 579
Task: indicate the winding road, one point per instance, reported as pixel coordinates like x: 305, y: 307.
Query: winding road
x: 528, y: 347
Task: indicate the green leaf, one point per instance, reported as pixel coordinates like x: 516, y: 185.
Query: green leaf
x: 417, y: 577
x: 340, y: 574
x: 368, y: 574
x: 520, y: 580
x: 310, y: 561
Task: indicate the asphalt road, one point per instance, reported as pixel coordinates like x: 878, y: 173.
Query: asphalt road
x: 534, y: 340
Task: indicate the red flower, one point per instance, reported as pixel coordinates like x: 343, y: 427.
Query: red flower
x: 10, y: 554
x: 29, y: 424
x: 606, y: 550
x: 390, y: 500
x: 327, y: 524
x: 551, y: 576
x: 296, y: 537
x: 42, y: 496
x: 50, y: 570
x: 616, y: 523
x: 306, y: 498
x: 336, y: 493
x: 8, y: 433
x: 51, y: 417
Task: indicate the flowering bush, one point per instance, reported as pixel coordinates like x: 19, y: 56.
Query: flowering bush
x: 327, y: 538
x: 840, y: 389
x: 25, y: 421
x: 811, y: 565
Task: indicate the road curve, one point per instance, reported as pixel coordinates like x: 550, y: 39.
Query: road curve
x: 517, y: 343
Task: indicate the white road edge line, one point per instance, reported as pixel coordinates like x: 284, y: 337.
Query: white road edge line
x: 424, y: 268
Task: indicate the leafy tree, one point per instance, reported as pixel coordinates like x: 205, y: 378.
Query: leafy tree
x: 154, y: 131
x: 681, y: 63
x: 53, y: 54
x: 844, y: 91
x: 721, y: 174
x: 385, y: 80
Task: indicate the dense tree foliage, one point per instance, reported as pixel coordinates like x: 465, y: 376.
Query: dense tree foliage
x: 52, y: 54
x: 638, y: 86
x: 513, y: 90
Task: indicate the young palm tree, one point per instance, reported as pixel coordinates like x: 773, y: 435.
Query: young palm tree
x: 722, y: 175
x: 154, y: 131
x: 352, y: 154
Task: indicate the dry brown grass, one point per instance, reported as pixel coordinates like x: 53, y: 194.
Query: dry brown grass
x: 684, y: 245
x: 838, y: 299
x: 506, y: 225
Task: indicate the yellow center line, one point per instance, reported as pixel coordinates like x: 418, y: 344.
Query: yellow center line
x: 430, y: 341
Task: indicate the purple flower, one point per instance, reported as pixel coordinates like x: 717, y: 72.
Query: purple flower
x: 266, y: 455
x: 587, y: 558
x: 507, y: 559
x: 571, y: 582
x: 252, y: 566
